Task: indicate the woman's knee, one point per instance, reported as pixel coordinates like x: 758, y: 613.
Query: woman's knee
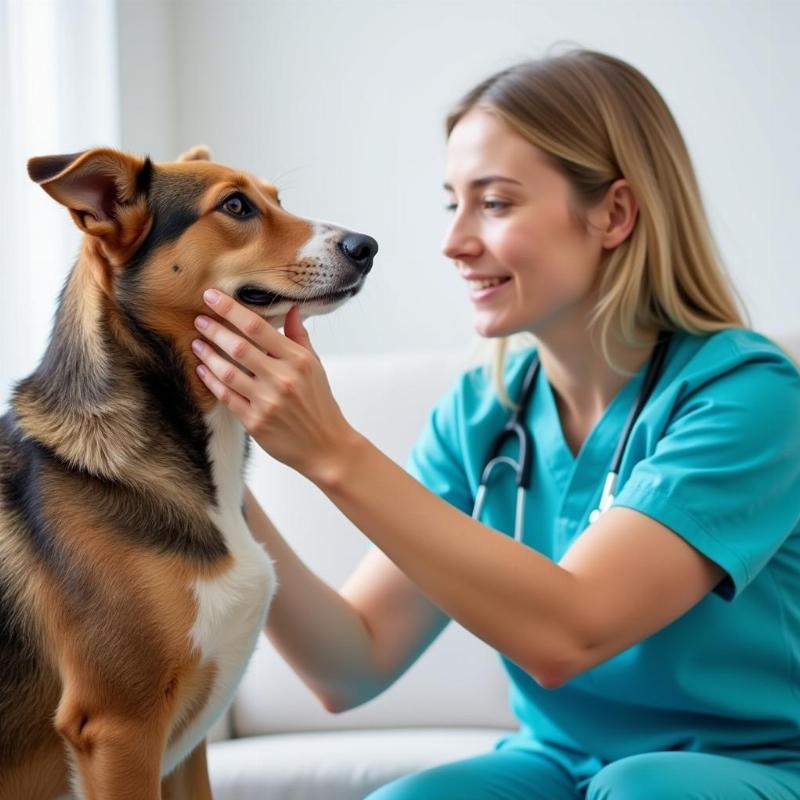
x: 678, y: 775
x: 633, y: 778
x: 501, y: 775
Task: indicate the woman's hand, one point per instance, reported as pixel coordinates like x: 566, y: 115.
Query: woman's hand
x: 275, y: 384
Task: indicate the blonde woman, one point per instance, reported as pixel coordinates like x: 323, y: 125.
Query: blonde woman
x: 653, y: 650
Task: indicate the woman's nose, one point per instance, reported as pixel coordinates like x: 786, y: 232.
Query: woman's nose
x: 459, y: 242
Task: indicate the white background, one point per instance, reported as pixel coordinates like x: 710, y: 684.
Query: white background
x: 342, y: 105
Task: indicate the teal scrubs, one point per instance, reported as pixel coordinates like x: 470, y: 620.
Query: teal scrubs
x: 715, y: 457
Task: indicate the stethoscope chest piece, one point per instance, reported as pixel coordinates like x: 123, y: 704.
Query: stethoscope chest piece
x: 607, y: 497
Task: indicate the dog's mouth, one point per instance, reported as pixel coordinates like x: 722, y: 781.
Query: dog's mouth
x: 253, y: 295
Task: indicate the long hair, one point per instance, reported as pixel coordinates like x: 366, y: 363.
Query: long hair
x: 598, y: 119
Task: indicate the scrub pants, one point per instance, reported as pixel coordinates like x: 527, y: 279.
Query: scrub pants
x: 517, y: 774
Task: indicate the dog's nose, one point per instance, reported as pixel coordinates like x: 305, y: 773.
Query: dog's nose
x: 360, y: 249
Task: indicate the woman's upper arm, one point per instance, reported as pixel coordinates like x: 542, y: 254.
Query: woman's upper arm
x: 401, y: 620
x: 634, y: 576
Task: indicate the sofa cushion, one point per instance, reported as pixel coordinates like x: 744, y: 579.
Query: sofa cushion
x: 334, y: 766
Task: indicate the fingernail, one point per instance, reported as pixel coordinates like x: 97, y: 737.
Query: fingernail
x: 211, y: 296
x: 201, y: 322
x: 197, y: 346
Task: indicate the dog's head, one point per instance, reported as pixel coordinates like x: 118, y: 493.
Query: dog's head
x: 162, y: 233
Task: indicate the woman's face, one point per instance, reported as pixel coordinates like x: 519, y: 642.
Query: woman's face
x: 512, y: 224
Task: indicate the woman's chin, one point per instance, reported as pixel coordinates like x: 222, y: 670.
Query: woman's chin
x: 490, y: 327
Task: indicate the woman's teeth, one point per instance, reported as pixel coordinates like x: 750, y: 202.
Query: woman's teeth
x: 475, y: 285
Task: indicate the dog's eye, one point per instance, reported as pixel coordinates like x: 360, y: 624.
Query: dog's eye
x: 237, y: 205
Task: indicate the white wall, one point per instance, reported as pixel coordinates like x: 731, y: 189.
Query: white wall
x: 342, y: 105
x: 58, y: 94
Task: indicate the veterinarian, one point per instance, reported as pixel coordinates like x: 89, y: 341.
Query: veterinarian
x: 654, y: 649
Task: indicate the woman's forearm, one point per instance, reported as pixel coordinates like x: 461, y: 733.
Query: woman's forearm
x: 315, y: 629
x: 512, y: 597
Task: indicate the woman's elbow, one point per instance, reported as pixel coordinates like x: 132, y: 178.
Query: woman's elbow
x: 338, y: 703
x: 552, y: 676
x: 557, y: 668
x: 334, y: 705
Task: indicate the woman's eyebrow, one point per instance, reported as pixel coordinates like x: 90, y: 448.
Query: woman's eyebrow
x: 484, y: 181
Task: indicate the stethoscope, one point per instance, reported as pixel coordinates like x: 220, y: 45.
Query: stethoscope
x: 523, y: 466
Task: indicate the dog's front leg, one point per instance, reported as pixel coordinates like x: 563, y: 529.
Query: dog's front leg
x: 118, y: 753
x: 189, y: 780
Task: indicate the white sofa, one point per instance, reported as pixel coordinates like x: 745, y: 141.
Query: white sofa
x: 277, y: 741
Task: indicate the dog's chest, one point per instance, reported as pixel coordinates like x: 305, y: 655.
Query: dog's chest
x: 232, y: 607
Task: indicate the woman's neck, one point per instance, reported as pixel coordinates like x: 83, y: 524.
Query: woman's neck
x: 583, y: 383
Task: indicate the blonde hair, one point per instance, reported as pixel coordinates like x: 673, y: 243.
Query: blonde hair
x: 598, y: 119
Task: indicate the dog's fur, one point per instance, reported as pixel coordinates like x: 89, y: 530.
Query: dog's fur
x: 131, y: 590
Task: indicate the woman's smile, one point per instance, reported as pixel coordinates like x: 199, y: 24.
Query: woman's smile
x: 482, y: 291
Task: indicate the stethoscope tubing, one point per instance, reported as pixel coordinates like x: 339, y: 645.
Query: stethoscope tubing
x: 523, y: 466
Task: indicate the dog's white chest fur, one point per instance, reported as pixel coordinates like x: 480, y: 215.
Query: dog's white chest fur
x: 232, y: 608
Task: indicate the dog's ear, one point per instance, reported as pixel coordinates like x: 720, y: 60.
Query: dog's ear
x: 105, y: 191
x: 199, y: 152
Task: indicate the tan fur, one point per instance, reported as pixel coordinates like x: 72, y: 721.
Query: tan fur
x: 190, y: 779
x: 42, y: 775
x: 192, y: 695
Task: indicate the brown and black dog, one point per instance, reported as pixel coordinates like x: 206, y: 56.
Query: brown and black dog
x: 131, y: 590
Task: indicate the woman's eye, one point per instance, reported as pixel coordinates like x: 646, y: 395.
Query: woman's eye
x: 488, y: 205
x: 237, y: 205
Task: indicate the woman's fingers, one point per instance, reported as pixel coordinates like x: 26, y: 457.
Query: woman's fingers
x: 237, y: 347
x: 295, y: 330
x: 254, y: 327
x: 273, y: 382
x: 230, y: 374
x: 230, y: 397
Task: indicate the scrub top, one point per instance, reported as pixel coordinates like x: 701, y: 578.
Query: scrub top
x: 714, y: 456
